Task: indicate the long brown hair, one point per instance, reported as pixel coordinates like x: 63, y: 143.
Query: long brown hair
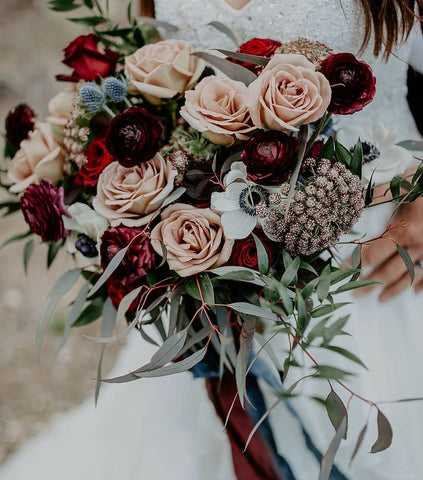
x: 390, y: 22
x: 387, y: 22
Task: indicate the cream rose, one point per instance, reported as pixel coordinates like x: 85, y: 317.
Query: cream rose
x: 131, y: 196
x: 40, y: 156
x: 217, y: 107
x: 289, y: 92
x: 163, y: 69
x: 193, y: 238
x: 61, y: 105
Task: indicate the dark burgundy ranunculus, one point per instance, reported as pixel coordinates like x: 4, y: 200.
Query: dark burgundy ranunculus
x: 42, y: 206
x: 97, y: 159
x: 87, y: 60
x: 133, y: 137
x: 244, y: 253
x: 352, y: 81
x: 262, y: 47
x: 19, y: 122
x: 270, y: 157
x: 139, y: 258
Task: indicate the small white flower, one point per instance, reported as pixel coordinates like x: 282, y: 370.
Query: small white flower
x: 382, y: 157
x: 86, y: 226
x: 237, y: 204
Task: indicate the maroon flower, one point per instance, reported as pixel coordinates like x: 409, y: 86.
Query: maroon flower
x: 262, y: 47
x: 97, y: 159
x: 19, y: 122
x: 315, y: 149
x: 139, y: 258
x: 42, y: 206
x: 352, y: 81
x: 244, y: 253
x: 87, y: 61
x: 270, y: 157
x: 133, y: 137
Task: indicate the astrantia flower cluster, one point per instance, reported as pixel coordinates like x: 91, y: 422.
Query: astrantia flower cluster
x: 324, y: 207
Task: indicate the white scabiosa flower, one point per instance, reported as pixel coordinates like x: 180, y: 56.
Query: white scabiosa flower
x: 239, y: 203
x: 382, y: 158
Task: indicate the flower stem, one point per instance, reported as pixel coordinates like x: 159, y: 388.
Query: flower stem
x: 109, y: 111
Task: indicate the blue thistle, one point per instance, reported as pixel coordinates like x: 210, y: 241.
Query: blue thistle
x: 92, y: 97
x: 116, y: 89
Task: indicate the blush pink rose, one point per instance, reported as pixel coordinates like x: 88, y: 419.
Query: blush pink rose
x: 131, y: 196
x: 193, y: 238
x: 61, y: 105
x: 289, y: 92
x: 217, y: 107
x: 163, y: 69
x: 39, y: 157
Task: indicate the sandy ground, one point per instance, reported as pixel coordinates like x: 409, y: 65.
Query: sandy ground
x: 31, y: 392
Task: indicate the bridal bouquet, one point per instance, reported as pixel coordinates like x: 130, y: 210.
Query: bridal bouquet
x: 203, y: 194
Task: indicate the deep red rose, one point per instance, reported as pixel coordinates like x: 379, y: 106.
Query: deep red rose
x: 42, y: 206
x: 139, y: 259
x: 352, y: 81
x: 133, y: 137
x: 19, y: 122
x: 270, y: 157
x: 97, y: 159
x: 87, y: 60
x: 262, y: 47
x: 244, y: 253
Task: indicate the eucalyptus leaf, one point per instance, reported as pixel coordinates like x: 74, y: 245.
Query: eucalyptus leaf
x: 262, y: 256
x: 385, y: 434
x: 53, y: 250
x: 329, y: 457
x: 182, y: 366
x: 343, y: 273
x: 111, y: 267
x: 174, y: 196
x: 230, y: 69
x: 159, y: 24
x: 347, y: 354
x: 244, y: 57
x: 416, y: 145
x: 62, y: 286
x: 360, y: 439
x: 92, y: 21
x: 221, y: 27
x: 356, y: 257
x: 336, y: 411
x: 330, y: 372
x: 354, y: 285
x: 291, y: 271
x: 28, y: 249
x: 246, y: 343
x: 327, y: 309
x: 395, y: 187
x: 74, y: 314
x: 107, y: 327
x: 15, y: 238
x: 402, y: 252
x: 324, y: 284
x: 90, y: 313
x: 302, y: 311
x: 254, y: 310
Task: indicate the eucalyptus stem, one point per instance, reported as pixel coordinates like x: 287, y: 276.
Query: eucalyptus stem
x: 320, y: 127
x: 293, y: 181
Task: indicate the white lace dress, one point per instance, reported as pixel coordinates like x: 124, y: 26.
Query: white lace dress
x: 166, y: 428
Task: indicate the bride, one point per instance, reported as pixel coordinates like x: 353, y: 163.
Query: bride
x: 167, y: 428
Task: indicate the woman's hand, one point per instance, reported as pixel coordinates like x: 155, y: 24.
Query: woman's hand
x: 382, y: 256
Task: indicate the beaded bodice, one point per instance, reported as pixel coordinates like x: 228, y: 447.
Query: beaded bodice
x: 338, y: 23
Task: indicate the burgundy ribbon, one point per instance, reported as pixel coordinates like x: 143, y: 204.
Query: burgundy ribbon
x: 256, y: 463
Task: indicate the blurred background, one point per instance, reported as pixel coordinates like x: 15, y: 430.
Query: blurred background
x: 31, y: 42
